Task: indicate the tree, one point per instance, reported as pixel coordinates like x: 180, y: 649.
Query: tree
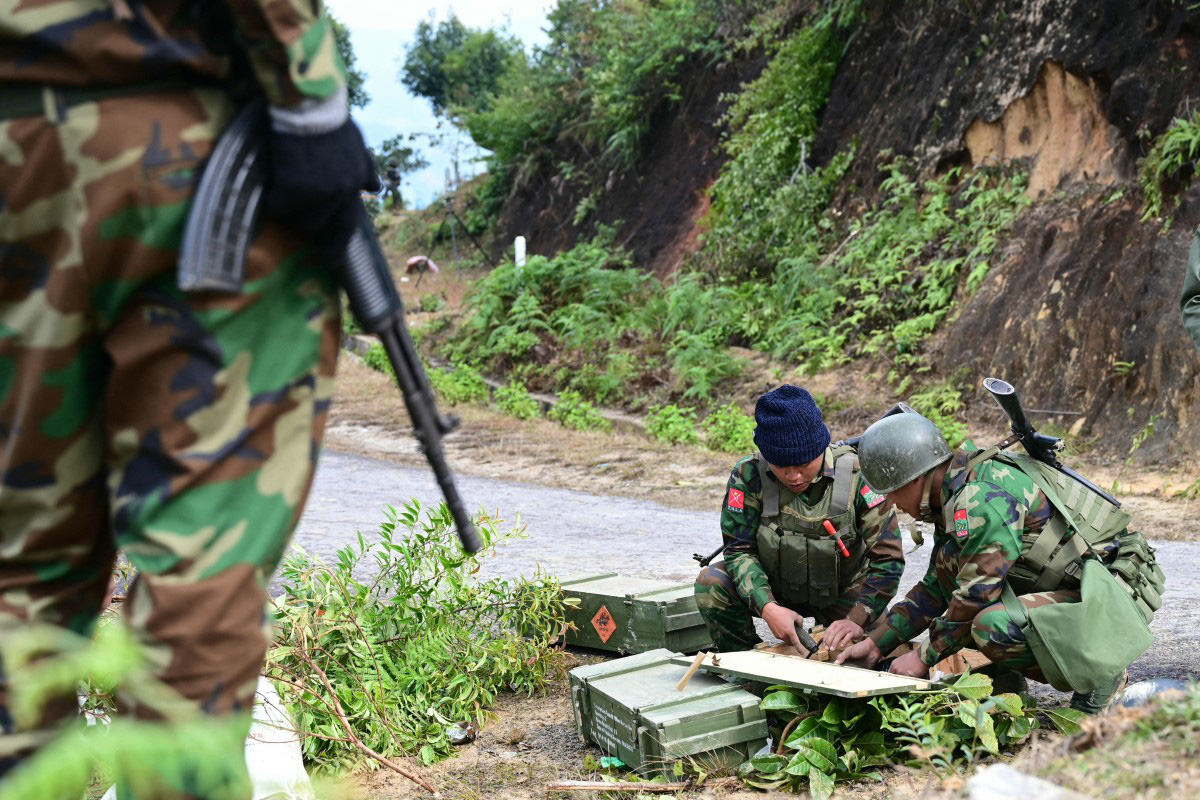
x: 458, y: 68
x: 354, y: 78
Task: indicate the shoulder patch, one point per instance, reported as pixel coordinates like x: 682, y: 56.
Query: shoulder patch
x: 961, y: 528
x: 872, y: 499
x: 737, y: 499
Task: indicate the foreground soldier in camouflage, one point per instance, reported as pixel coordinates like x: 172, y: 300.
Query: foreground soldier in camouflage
x: 780, y: 563
x: 181, y: 428
x: 992, y: 526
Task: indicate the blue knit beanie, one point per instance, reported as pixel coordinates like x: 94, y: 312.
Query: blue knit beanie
x: 789, y: 430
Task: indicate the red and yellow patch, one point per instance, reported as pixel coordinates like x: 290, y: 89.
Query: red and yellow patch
x: 737, y: 499
x: 872, y: 499
x: 961, y: 528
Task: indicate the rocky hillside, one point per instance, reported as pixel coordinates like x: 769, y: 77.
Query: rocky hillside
x: 1079, y: 307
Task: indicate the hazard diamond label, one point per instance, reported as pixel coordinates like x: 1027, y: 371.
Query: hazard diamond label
x: 604, y: 624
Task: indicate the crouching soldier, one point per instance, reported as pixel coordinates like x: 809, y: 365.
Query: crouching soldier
x: 1011, y: 536
x: 780, y: 561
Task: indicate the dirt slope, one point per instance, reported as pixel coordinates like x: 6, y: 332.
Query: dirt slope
x: 1082, y: 310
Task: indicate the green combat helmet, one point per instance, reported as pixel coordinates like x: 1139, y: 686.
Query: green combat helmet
x: 898, y: 448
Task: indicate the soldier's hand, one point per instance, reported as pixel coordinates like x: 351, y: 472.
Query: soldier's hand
x: 864, y: 654
x: 841, y: 633
x: 782, y: 622
x: 910, y: 665
x: 317, y: 165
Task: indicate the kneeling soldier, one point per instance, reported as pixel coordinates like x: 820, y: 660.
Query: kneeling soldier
x: 1001, y: 545
x: 780, y: 562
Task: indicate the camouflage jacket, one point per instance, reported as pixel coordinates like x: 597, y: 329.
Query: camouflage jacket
x: 991, y: 506
x: 1189, y: 302
x: 875, y: 522
x: 289, y: 44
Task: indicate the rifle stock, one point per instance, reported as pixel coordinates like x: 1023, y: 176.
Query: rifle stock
x: 1039, y: 446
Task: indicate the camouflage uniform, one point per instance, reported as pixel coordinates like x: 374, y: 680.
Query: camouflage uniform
x: 181, y: 428
x: 990, y: 513
x: 729, y: 594
x: 1189, y: 302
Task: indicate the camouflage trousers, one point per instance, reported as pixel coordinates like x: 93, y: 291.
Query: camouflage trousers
x: 729, y: 617
x: 998, y: 637
x: 180, y: 428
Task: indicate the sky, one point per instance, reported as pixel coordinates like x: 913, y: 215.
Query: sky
x: 381, y: 33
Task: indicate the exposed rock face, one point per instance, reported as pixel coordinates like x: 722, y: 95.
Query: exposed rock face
x: 1078, y: 89
x: 922, y: 74
x: 1061, y: 129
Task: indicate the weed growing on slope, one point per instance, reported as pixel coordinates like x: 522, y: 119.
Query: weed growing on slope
x: 729, y: 430
x: 460, y: 384
x: 590, y: 322
x: 672, y: 424
x: 514, y: 399
x: 1172, y: 160
x: 573, y: 412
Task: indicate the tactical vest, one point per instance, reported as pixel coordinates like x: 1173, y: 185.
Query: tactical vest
x: 1052, y: 558
x: 801, y: 560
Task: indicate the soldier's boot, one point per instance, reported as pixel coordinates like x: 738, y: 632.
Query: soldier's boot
x: 1006, y: 681
x: 1099, y: 699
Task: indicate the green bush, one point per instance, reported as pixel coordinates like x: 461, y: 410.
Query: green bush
x: 431, y: 302
x: 672, y: 424
x: 460, y: 384
x: 406, y: 640
x: 588, y: 321
x: 729, y: 430
x: 572, y: 411
x: 1172, y: 158
x: 514, y: 399
x: 376, y: 358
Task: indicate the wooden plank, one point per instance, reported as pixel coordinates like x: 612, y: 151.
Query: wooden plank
x: 810, y: 676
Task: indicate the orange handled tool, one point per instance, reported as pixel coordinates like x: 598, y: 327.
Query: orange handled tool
x: 841, y: 545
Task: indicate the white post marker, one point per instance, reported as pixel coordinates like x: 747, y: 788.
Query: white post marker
x: 519, y: 249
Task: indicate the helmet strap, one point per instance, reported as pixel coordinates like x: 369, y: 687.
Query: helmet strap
x: 925, y: 514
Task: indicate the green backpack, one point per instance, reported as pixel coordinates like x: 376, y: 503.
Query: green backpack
x: 1080, y: 646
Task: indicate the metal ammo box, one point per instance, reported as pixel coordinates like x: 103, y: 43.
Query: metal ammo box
x: 633, y: 615
x: 630, y: 708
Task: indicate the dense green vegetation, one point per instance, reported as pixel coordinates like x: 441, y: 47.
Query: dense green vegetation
x: 778, y: 271
x: 398, y: 656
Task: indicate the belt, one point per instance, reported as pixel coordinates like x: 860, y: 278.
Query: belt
x: 36, y: 99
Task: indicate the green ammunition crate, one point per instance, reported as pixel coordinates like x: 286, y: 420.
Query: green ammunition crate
x: 633, y: 615
x: 631, y: 709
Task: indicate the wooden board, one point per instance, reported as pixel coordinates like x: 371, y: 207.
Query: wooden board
x: 810, y: 676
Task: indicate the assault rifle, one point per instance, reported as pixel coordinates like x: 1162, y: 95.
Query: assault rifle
x: 217, y: 237
x: 1039, y: 446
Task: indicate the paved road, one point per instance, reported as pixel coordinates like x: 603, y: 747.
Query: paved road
x: 573, y: 532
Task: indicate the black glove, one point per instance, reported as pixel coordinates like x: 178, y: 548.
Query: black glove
x: 314, y: 180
